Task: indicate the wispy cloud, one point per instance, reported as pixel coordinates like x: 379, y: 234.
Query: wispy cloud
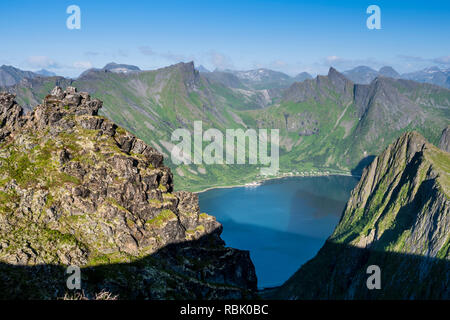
x: 82, y: 65
x: 170, y: 56
x: 69, y: 68
x: 91, y: 53
x: 42, y: 62
x: 442, y: 60
x: 413, y: 63
x: 343, y: 64
x: 409, y: 58
x: 220, y: 61
x: 175, y: 57
x: 122, y: 53
x: 147, y: 51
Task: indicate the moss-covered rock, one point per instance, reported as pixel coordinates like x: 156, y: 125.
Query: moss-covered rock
x: 75, y: 189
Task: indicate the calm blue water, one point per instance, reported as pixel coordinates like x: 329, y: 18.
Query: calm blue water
x: 283, y: 223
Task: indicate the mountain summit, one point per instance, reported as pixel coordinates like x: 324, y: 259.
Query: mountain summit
x: 365, y: 75
x: 120, y: 68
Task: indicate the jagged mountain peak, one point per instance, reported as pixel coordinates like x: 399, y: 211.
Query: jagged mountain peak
x: 319, y: 88
x: 332, y: 71
x: 186, y: 66
x: 201, y: 68
x: 397, y: 218
x: 338, y: 78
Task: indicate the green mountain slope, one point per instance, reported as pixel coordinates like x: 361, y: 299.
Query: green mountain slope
x: 396, y: 218
x: 327, y: 124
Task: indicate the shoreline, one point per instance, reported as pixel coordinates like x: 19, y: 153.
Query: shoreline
x: 277, y: 178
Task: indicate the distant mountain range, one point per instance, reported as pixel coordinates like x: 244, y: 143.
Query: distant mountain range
x: 260, y: 79
x: 433, y: 75
x: 10, y: 75
x: 257, y: 79
x: 45, y: 73
x: 328, y: 123
x: 365, y: 75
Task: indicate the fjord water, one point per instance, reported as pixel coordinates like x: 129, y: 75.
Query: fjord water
x: 283, y: 223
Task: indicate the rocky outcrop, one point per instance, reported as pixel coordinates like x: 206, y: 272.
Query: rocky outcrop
x: 10, y: 115
x: 76, y: 189
x: 396, y: 218
x: 444, y: 142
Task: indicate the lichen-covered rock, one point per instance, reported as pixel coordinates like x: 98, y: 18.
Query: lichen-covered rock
x: 75, y: 189
x: 397, y: 218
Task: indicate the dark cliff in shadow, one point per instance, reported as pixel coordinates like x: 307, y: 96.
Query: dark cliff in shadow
x: 339, y: 271
x: 195, y: 269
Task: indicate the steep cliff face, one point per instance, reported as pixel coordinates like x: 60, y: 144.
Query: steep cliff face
x: 444, y: 142
x: 75, y: 189
x: 396, y: 218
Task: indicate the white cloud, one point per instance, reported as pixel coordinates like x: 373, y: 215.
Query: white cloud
x: 41, y: 62
x: 333, y: 59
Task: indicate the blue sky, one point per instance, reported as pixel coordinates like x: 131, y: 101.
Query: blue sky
x: 290, y: 36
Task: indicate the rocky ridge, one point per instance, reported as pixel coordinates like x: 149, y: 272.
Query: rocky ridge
x: 76, y: 189
x: 10, y: 76
x: 397, y: 218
